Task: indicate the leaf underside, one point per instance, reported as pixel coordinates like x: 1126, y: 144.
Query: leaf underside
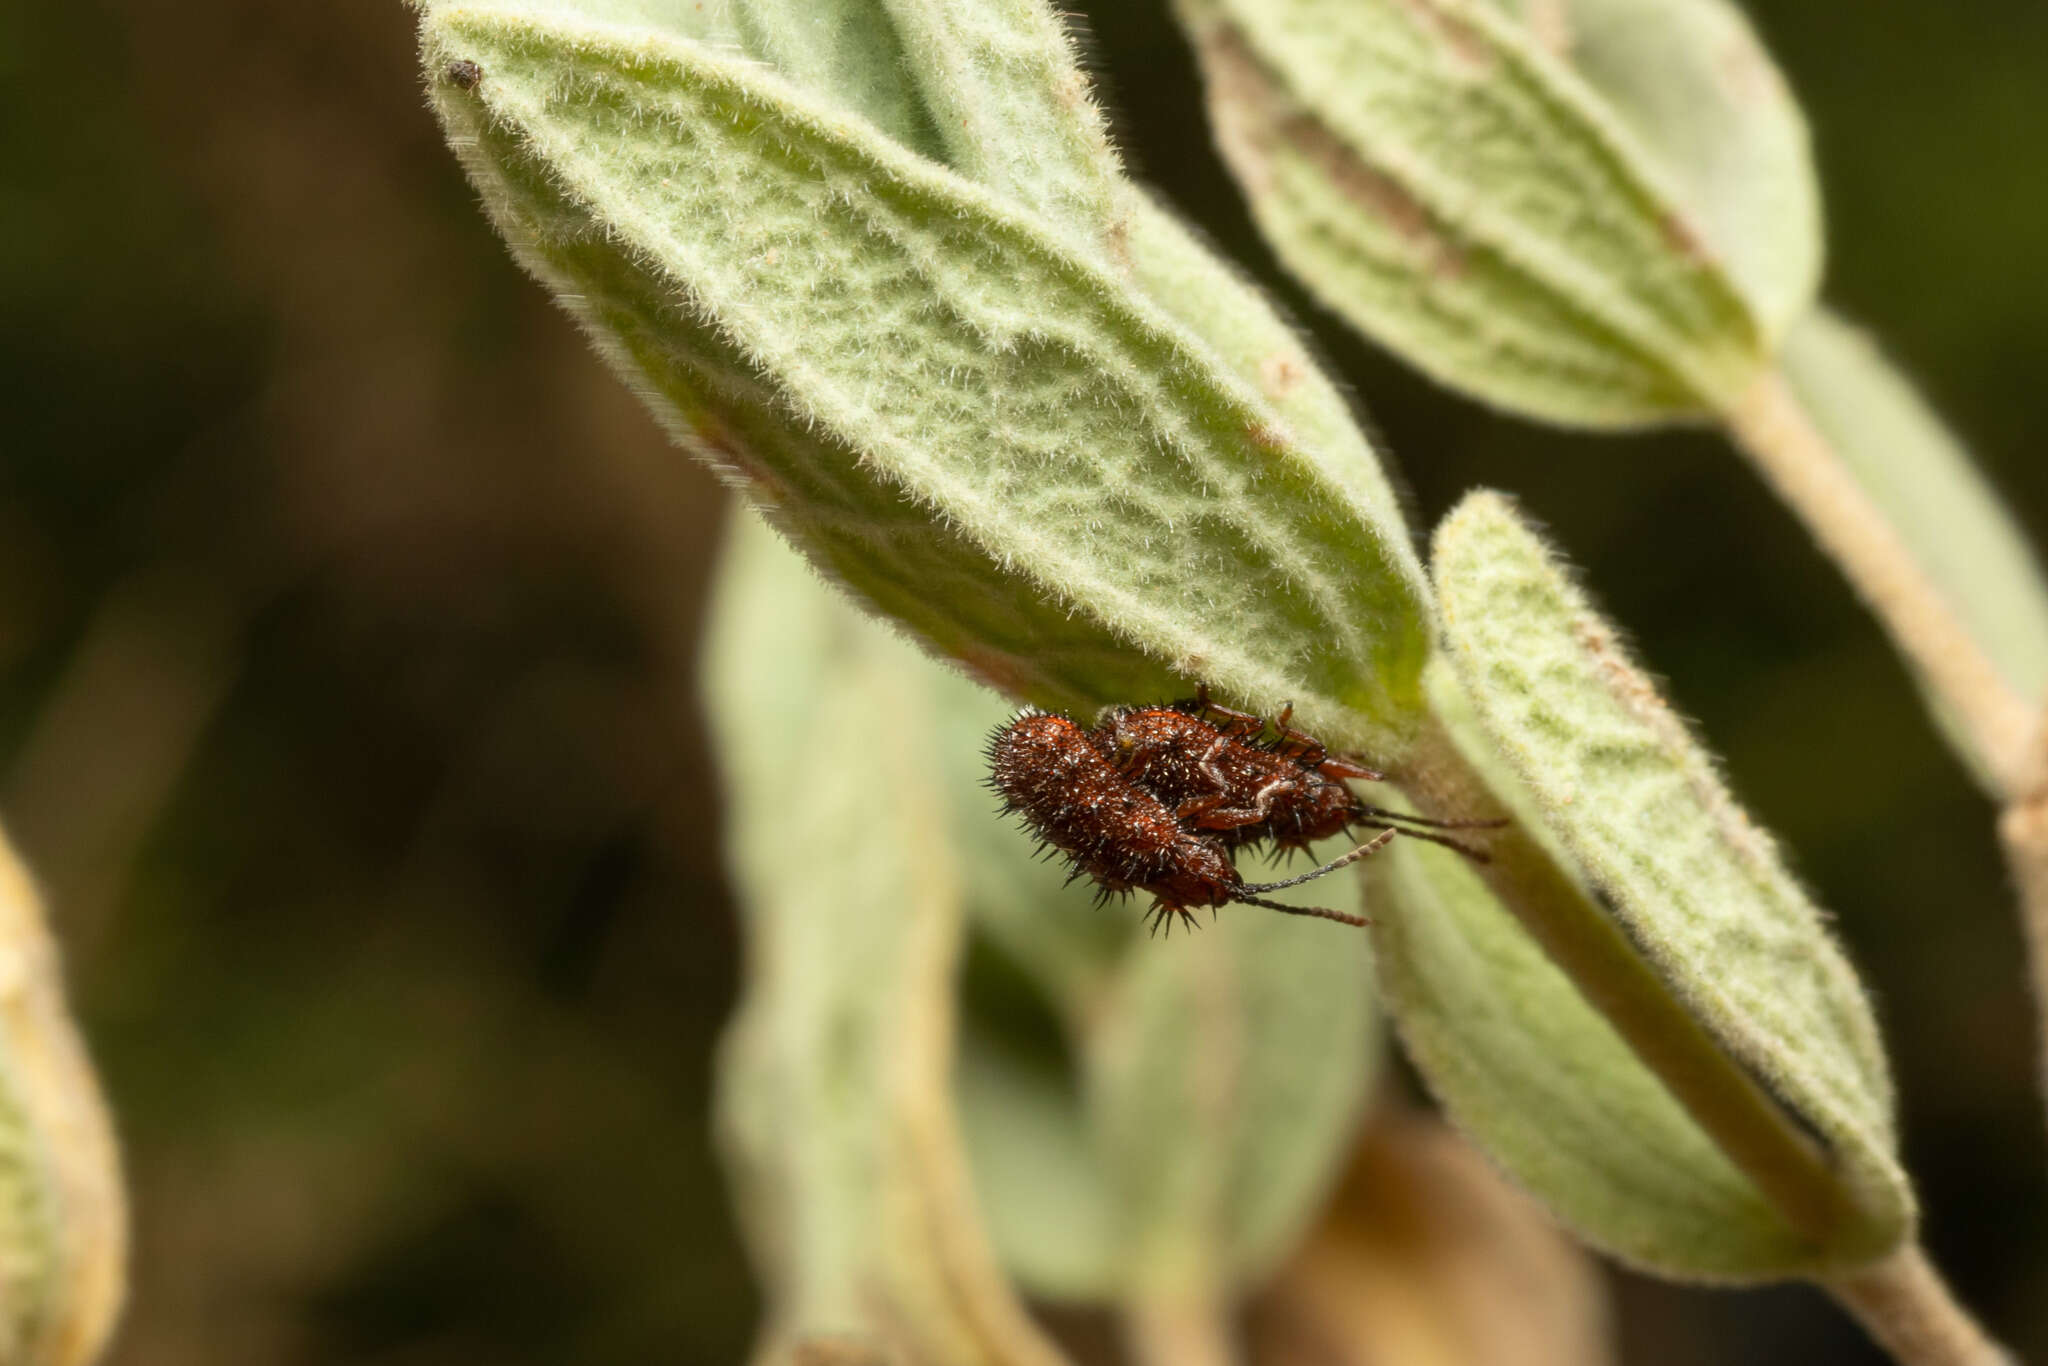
x: 1596, y: 760
x: 1603, y: 227
x: 1215, y: 1076
x: 962, y: 411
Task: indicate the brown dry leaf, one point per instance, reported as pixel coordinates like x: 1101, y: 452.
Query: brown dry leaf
x: 1427, y: 1257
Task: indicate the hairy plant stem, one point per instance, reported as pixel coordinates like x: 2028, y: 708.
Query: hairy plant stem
x: 1774, y: 429
x: 1590, y: 948
x: 2008, y: 734
x: 1903, y: 1303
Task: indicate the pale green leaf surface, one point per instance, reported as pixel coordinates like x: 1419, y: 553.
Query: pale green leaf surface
x: 1450, y: 186
x: 1540, y: 1081
x: 1011, y: 110
x: 1699, y: 892
x: 988, y: 87
x: 1957, y: 530
x: 1221, y: 1077
x: 1265, y: 1020
x: 1222, y: 1084
x: 1205, y: 293
x: 1004, y: 77
x: 982, y: 431
x: 1014, y: 111
x: 1310, y: 1052
x: 1253, y: 1042
x: 843, y: 51
x: 1002, y: 81
x: 1695, y: 85
x: 1050, y: 1209
x: 834, y: 1077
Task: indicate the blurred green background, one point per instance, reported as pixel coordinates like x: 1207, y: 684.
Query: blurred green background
x: 348, y: 613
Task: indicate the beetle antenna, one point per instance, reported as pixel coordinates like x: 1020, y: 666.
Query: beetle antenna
x: 1381, y: 813
x: 1370, y: 847
x: 1476, y: 855
x: 1320, y: 912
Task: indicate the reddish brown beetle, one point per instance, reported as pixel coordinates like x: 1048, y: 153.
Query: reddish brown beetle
x: 1112, y: 829
x: 1223, y: 778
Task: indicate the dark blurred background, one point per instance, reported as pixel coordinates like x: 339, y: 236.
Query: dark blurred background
x: 348, y: 616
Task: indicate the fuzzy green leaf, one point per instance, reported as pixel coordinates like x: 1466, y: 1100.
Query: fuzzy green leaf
x: 1957, y: 531
x: 1604, y: 224
x: 1693, y: 83
x: 1221, y: 1086
x: 1037, y: 1173
x: 834, y: 1078
x: 63, y: 1214
x: 1219, y: 1080
x: 1013, y: 110
x: 957, y: 406
x: 1253, y: 1041
x: 1703, y: 907
x: 1250, y: 1042
x: 1014, y: 113
x: 1541, y: 1081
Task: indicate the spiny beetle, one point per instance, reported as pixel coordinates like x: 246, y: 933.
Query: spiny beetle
x: 1117, y: 832
x: 1211, y: 765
